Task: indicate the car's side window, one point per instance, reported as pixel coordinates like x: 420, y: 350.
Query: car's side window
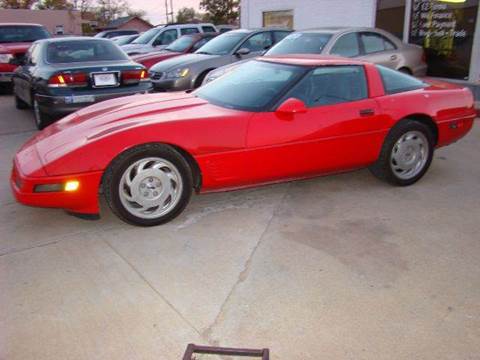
x: 207, y: 29
x: 166, y: 37
x: 258, y: 42
x: 186, y: 31
x: 328, y: 85
x: 394, y: 81
x: 280, y: 35
x: 373, y: 43
x: 347, y: 45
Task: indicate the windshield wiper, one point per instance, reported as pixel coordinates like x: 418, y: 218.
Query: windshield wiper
x: 203, y: 53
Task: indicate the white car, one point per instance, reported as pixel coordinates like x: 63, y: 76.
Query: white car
x: 160, y: 37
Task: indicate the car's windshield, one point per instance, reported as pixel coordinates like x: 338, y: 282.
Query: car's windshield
x: 181, y: 44
x: 123, y: 40
x: 21, y: 33
x: 147, y: 36
x: 301, y: 43
x: 85, y: 50
x: 252, y: 86
x: 222, y: 45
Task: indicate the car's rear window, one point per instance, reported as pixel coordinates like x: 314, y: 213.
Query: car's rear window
x: 22, y: 33
x: 395, y: 81
x: 301, y: 43
x: 85, y: 50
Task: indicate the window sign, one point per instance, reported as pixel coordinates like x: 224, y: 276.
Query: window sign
x: 445, y: 29
x: 283, y: 18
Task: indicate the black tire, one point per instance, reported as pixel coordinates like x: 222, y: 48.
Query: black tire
x: 42, y: 120
x: 120, y: 166
x: 20, y: 104
x: 383, y: 167
x: 405, y: 71
x: 199, y: 79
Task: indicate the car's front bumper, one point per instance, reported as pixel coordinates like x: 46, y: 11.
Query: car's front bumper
x: 59, y: 105
x: 180, y: 84
x: 82, y: 201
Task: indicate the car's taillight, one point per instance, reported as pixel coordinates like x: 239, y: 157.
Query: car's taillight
x: 134, y: 76
x: 68, y: 80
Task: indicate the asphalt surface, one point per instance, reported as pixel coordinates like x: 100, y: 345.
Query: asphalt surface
x: 340, y: 267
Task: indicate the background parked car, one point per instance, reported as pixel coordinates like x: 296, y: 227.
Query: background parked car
x: 108, y: 34
x: 59, y: 76
x: 124, y: 39
x: 370, y: 44
x: 159, y: 37
x: 226, y: 28
x: 188, y: 71
x: 184, y: 45
x: 15, y: 39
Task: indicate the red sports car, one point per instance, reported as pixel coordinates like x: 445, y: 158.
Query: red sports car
x: 273, y: 119
x: 183, y: 45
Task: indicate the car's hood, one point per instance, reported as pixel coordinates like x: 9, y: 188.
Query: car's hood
x: 183, y: 60
x: 106, y: 118
x: 14, y: 48
x: 141, y: 48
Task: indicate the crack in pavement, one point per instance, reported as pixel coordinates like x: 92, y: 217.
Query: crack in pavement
x: 150, y: 285
x: 246, y: 269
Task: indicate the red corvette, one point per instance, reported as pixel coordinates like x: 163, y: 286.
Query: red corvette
x: 273, y: 119
x: 183, y: 45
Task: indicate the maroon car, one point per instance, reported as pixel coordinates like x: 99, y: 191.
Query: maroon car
x: 183, y: 45
x: 15, y: 39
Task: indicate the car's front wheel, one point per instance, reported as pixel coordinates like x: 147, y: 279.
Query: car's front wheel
x: 406, y: 154
x: 148, y: 185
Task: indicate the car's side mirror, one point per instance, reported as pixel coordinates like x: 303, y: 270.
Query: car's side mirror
x: 242, y: 52
x: 292, y: 106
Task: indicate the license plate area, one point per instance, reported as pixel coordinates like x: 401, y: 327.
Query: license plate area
x: 105, y: 79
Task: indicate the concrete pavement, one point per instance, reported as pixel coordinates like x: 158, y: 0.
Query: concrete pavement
x: 340, y: 267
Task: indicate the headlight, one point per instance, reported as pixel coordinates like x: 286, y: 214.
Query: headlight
x: 5, y: 58
x: 178, y: 73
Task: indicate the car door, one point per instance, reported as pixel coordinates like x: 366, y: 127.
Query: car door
x: 23, y: 76
x: 378, y: 49
x: 342, y: 128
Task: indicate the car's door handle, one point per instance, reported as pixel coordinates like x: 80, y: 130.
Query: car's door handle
x: 367, y: 112
x: 393, y: 57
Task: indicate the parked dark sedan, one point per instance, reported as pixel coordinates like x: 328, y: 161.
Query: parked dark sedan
x: 60, y: 76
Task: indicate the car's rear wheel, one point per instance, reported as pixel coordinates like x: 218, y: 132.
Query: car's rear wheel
x: 406, y: 154
x: 41, y: 119
x: 148, y: 185
x: 20, y: 104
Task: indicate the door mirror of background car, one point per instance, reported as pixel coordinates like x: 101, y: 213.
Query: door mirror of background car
x: 292, y: 106
x: 242, y: 52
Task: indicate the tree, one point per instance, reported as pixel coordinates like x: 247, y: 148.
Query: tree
x: 221, y: 11
x: 108, y: 10
x: 54, y: 5
x: 186, y: 15
x: 17, y: 4
x: 138, y: 13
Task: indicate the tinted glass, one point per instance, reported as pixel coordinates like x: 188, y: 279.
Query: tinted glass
x: 224, y: 30
x: 301, y: 43
x: 124, y: 40
x: 201, y: 42
x: 207, y: 29
x: 181, y: 44
x: 85, y: 50
x: 187, y: 31
x: 166, y: 37
x: 12, y: 34
x: 280, y: 35
x: 252, y: 86
x: 258, y: 42
x: 328, y: 85
x: 346, y: 46
x: 395, y: 81
x: 374, y: 43
x: 223, y: 44
x: 147, y: 36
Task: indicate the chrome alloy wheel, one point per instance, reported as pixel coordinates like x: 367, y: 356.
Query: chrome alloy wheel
x: 409, y: 155
x: 150, y: 187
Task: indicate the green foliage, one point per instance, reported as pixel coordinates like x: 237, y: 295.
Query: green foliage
x: 54, y: 5
x: 221, y: 11
x: 186, y: 15
x: 17, y: 4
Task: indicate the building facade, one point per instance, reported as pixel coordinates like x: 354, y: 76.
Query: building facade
x: 129, y: 23
x: 448, y: 30
x: 57, y: 22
